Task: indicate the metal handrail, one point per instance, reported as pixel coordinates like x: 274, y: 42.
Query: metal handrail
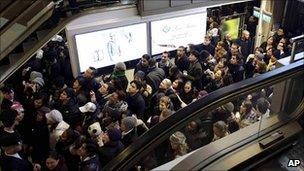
x: 295, y: 41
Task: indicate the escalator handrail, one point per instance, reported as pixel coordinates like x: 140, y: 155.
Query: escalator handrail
x: 157, y: 134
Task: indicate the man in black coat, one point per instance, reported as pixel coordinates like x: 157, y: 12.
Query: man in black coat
x: 136, y: 102
x: 155, y: 76
x: 195, y: 71
x: 206, y: 45
x: 245, y: 43
x: 11, y: 159
x: 181, y: 60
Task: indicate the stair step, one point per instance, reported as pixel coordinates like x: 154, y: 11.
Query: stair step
x: 3, y: 21
x: 3, y: 69
x: 10, y: 35
x: 29, y: 44
x: 15, y: 57
x: 42, y: 33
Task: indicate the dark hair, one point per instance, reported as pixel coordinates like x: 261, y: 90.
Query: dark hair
x: 137, y: 83
x: 180, y: 84
x: 152, y: 62
x: 8, y: 117
x: 262, y: 105
x: 6, y: 89
x: 69, y: 91
x: 166, y: 52
x: 146, y: 56
x: 248, y: 105
x: 111, y: 87
x: 182, y: 47
x: 54, y: 155
x: 195, y: 53
x: 94, y: 71
x: 59, y: 81
x: 121, y: 94
x: 90, y: 147
x: 81, y: 80
x: 203, y: 55
x: 233, y: 125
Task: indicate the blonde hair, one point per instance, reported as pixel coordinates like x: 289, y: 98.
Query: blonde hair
x: 179, y: 139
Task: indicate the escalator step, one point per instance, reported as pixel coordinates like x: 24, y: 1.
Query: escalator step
x: 28, y: 45
x: 42, y: 33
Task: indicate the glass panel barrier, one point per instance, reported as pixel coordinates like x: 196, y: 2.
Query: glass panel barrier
x: 250, y: 109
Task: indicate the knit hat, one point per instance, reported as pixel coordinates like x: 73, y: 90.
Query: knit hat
x: 54, y: 115
x: 35, y: 74
x: 114, y: 134
x: 120, y: 66
x: 178, y: 138
x: 89, y: 107
x: 39, y: 81
x: 130, y: 122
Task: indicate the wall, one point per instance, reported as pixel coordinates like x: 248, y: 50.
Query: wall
x: 150, y: 7
x: 111, y: 18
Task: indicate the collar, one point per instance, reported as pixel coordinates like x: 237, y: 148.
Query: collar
x: 16, y: 155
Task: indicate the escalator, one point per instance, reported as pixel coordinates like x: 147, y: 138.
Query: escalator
x: 19, y: 20
x: 240, y: 149
x: 25, y: 28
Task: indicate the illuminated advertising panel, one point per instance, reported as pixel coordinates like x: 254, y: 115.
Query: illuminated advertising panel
x: 169, y: 34
x: 107, y: 47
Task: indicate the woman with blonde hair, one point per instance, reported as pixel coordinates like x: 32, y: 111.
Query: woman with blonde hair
x: 178, y: 144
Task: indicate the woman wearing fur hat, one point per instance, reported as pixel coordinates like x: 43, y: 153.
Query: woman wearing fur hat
x: 57, y: 126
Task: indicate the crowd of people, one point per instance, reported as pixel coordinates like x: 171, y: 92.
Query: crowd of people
x: 57, y: 122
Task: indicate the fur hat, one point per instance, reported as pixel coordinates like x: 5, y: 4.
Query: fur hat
x: 54, y: 115
x: 39, y: 81
x: 35, y: 74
